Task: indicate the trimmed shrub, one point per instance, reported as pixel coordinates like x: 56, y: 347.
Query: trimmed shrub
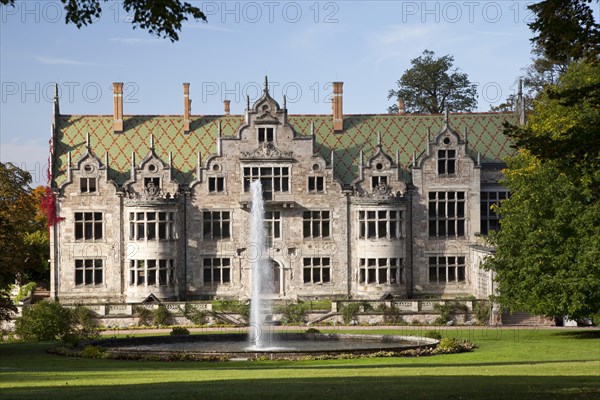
x: 392, y: 315
x: 452, y: 345
x: 161, y: 316
x: 94, y: 352
x: 312, y: 330
x: 46, y: 320
x: 433, y: 334
x: 179, y: 331
x: 293, y: 313
x: 83, y: 323
x: 482, y: 312
x: 144, y: 315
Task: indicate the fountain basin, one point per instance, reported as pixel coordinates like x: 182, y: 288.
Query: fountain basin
x: 274, y: 345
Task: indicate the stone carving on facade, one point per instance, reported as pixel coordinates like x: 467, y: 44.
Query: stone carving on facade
x: 267, y: 150
x: 266, y: 114
x: 149, y: 192
x: 382, y: 192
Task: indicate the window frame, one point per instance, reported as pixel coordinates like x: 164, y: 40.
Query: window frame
x: 82, y: 224
x: 371, y: 220
x: 265, y: 134
x: 446, y: 214
x: 487, y: 216
x: 140, y: 225
x: 441, y: 265
x: 161, y: 270
x: 313, y: 184
x: 317, y: 267
x: 216, y: 227
x: 85, y: 267
x: 274, y: 178
x: 216, y: 266
x: 216, y: 184
x: 314, y: 224
x: 446, y: 163
x: 87, y: 186
x: 371, y: 269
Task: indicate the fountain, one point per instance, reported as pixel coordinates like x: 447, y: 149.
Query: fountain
x: 262, y: 273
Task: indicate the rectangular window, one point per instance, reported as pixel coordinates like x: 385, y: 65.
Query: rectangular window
x: 265, y: 135
x: 216, y: 184
x: 272, y: 226
x: 446, y: 162
x: 88, y: 226
x: 216, y: 271
x: 151, y: 272
x: 316, y: 184
x: 217, y: 224
x: 87, y: 185
x: 316, y: 224
x: 376, y: 181
x: 152, y: 225
x: 89, y: 272
x: 380, y: 224
x: 376, y: 271
x: 317, y: 270
x: 490, y: 220
x: 446, y: 214
x: 272, y: 179
x: 444, y: 270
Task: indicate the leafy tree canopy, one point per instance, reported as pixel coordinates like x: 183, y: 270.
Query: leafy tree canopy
x: 162, y: 18
x: 431, y: 85
x: 565, y: 124
x: 23, y: 232
x: 547, y: 257
x: 565, y: 30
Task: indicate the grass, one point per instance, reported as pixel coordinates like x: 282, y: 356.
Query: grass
x: 509, y: 364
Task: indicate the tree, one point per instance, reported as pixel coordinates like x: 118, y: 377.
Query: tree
x: 162, y: 18
x: 23, y: 233
x: 566, y: 30
x: 46, y: 320
x: 564, y: 127
x: 16, y: 214
x: 547, y: 258
x: 432, y: 86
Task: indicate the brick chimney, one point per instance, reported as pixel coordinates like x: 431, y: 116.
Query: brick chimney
x: 336, y: 103
x: 118, y: 103
x: 226, y: 107
x: 187, y: 106
x: 401, y: 106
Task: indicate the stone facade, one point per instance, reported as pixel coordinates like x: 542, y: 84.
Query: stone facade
x: 144, y: 226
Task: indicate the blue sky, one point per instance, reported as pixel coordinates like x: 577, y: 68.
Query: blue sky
x: 302, y: 46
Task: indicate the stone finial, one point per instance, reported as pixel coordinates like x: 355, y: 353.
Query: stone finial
x: 266, y: 89
x: 152, y: 142
x: 379, y: 139
x: 87, y: 141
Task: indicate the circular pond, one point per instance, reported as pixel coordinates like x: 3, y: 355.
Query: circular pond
x: 276, y: 345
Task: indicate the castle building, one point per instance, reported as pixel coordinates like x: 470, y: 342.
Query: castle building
x: 356, y: 206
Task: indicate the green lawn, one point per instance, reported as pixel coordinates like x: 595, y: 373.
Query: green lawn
x: 509, y: 364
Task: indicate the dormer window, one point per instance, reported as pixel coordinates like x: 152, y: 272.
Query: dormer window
x: 266, y: 135
x: 316, y: 184
x: 446, y: 162
x: 87, y: 185
x: 377, y: 181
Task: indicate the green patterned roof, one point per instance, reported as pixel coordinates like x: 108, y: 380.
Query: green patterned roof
x: 404, y: 133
